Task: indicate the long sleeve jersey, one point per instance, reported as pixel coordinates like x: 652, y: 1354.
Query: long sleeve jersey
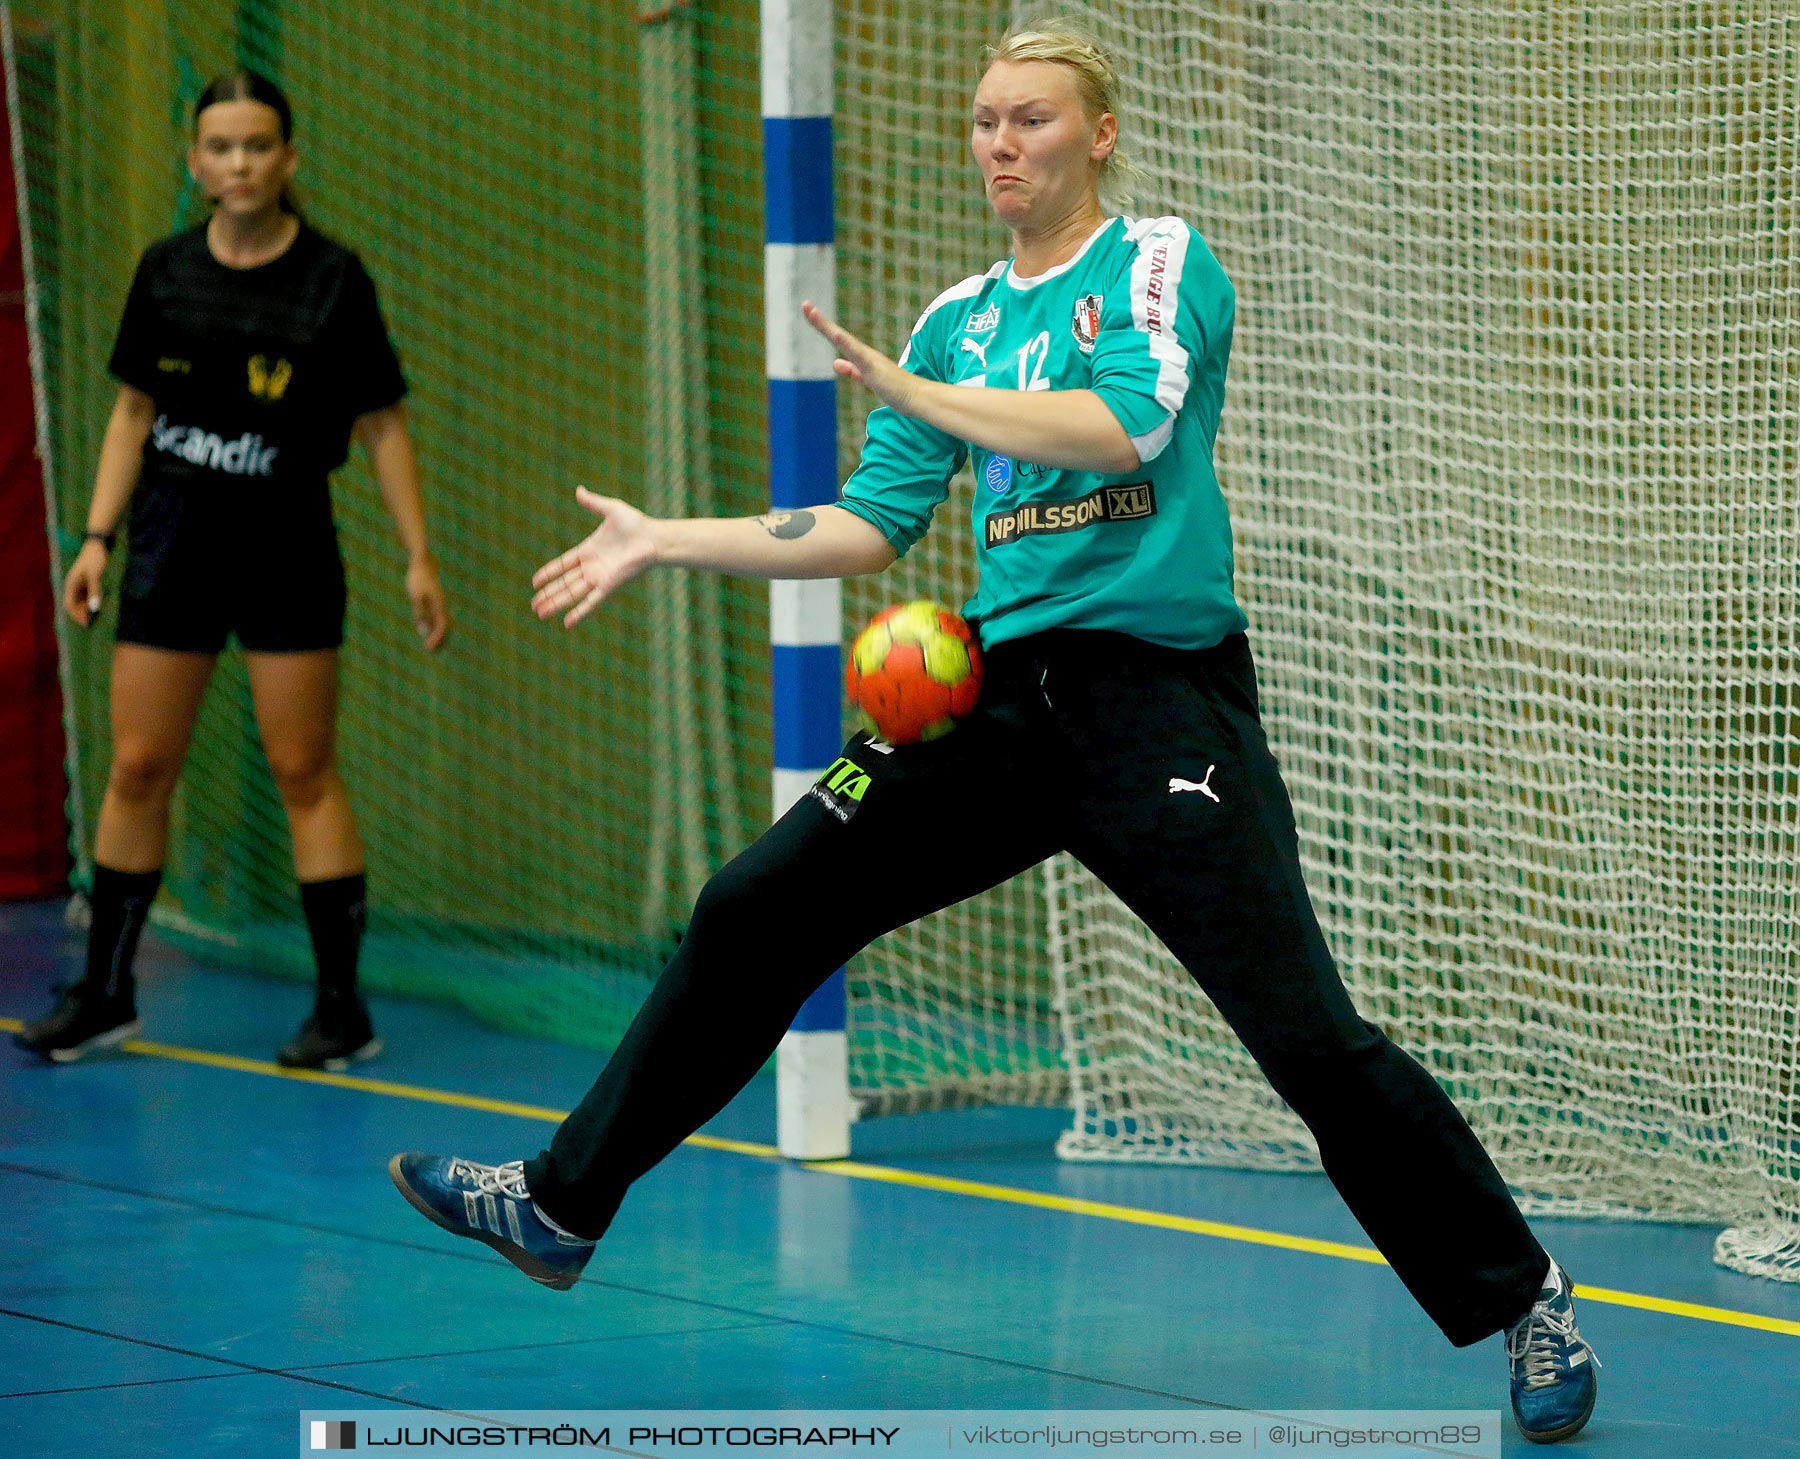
x: 1142, y: 316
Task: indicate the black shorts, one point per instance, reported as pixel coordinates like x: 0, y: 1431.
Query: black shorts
x: 193, y: 578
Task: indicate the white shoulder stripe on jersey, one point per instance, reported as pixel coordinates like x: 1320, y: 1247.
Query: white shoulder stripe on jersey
x: 1138, y: 229
x: 967, y: 289
x: 969, y: 286
x: 1155, y: 289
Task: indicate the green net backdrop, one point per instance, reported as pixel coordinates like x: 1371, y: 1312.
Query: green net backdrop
x: 539, y: 807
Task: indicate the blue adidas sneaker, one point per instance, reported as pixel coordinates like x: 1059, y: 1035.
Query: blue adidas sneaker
x: 491, y: 1204
x: 1553, y: 1383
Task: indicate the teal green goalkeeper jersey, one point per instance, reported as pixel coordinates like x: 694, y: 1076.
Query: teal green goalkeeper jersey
x: 1142, y: 316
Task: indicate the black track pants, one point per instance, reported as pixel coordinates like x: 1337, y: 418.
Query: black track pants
x: 1084, y: 742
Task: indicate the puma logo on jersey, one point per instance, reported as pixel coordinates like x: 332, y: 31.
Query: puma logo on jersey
x: 269, y: 382
x: 978, y: 350
x: 1177, y: 784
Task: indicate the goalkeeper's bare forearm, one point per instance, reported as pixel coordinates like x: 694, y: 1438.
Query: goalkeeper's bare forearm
x: 814, y: 542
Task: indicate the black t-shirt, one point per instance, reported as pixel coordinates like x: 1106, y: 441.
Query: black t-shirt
x: 258, y: 374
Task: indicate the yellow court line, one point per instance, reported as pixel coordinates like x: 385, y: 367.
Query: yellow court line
x: 1102, y: 1209
x: 979, y: 1190
x: 346, y: 1081
x: 1696, y: 1310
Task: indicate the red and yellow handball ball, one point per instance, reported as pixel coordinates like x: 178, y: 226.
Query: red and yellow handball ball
x: 914, y: 671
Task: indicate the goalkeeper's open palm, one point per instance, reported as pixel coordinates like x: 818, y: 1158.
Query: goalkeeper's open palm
x: 615, y: 552
x: 865, y: 364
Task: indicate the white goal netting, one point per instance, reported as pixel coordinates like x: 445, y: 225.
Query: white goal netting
x: 1511, y: 446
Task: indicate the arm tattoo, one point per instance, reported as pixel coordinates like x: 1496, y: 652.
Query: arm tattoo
x: 787, y: 525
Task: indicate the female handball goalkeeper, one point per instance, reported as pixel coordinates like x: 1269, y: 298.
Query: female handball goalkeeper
x: 251, y: 351
x: 1120, y: 697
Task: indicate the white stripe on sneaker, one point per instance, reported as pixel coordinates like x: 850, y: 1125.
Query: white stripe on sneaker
x: 512, y: 1220
x: 493, y: 1216
x: 471, y: 1213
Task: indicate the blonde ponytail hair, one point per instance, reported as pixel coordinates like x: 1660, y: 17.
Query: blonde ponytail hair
x: 1096, y: 81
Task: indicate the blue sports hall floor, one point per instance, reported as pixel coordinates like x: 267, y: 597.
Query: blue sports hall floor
x: 200, y: 1247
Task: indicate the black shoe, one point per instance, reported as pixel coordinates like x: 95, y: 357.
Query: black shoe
x: 335, y: 1035
x: 84, y: 1020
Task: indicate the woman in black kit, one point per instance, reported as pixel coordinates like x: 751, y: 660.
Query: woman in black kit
x: 251, y: 351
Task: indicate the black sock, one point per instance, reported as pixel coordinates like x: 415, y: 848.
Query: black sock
x: 121, y: 905
x: 336, y: 913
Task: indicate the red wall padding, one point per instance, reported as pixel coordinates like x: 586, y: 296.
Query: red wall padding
x: 34, y: 829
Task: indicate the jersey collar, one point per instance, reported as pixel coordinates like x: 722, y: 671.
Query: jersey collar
x: 1013, y: 281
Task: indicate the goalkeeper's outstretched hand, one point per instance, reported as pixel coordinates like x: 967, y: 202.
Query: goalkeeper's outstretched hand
x: 610, y: 556
x: 863, y: 363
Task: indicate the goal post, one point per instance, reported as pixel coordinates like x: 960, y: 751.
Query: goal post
x: 813, y: 1106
